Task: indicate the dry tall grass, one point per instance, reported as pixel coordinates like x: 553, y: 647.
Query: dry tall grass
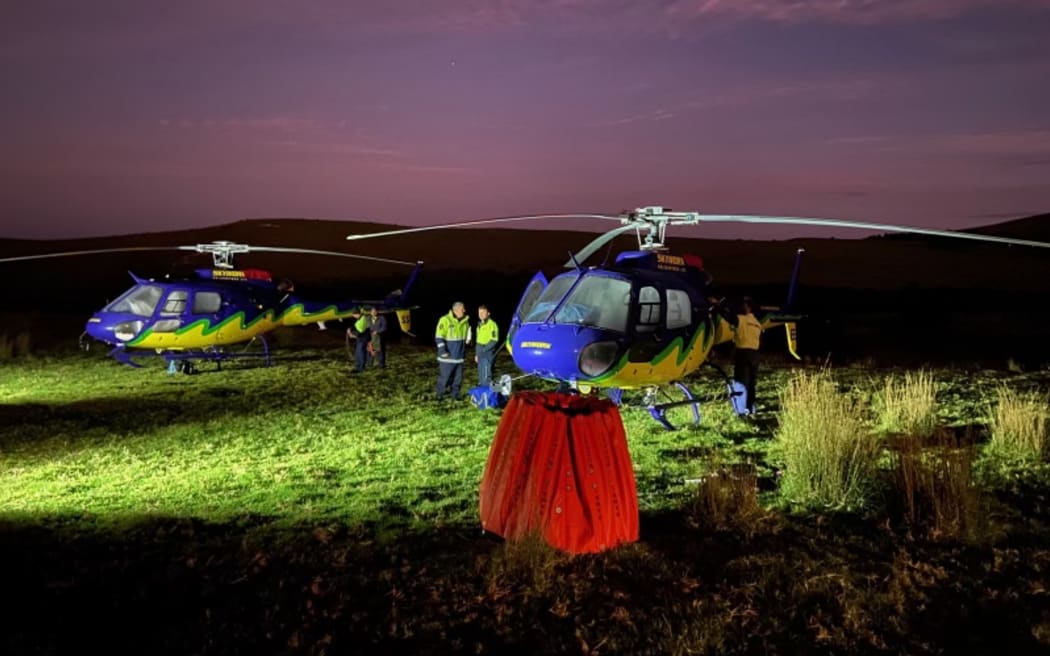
x: 908, y: 405
x: 20, y: 345
x: 829, y: 455
x: 528, y: 567
x: 1020, y: 424
x: 936, y: 485
x: 727, y: 500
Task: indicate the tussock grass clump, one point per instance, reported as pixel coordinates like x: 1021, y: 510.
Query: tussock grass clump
x: 19, y: 345
x: 908, y: 405
x: 727, y: 500
x: 1020, y: 425
x: 526, y: 567
x: 829, y: 455
x: 935, y: 484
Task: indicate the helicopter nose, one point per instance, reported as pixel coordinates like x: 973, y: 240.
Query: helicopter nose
x: 564, y: 352
x: 98, y: 329
x: 113, y: 328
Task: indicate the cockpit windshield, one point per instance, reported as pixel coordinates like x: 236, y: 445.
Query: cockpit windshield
x: 599, y: 302
x: 140, y: 300
x: 550, y: 297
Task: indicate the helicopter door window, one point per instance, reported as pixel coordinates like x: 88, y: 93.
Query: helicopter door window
x: 141, y: 300
x: 648, y: 310
x: 206, y: 302
x: 679, y: 309
x: 176, y: 303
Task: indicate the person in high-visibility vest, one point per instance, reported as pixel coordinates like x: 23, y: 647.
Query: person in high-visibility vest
x: 359, y: 331
x: 747, y: 337
x: 488, y: 342
x: 452, y: 338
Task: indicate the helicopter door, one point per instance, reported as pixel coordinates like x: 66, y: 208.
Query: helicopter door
x: 171, y: 312
x: 648, y: 340
x: 207, y: 305
x: 527, y: 302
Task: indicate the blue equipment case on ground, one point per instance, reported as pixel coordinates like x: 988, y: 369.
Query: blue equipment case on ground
x: 738, y: 397
x: 484, y: 397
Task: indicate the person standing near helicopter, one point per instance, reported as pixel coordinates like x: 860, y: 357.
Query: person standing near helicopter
x: 359, y: 331
x: 377, y: 341
x: 452, y: 338
x: 487, y: 343
x: 747, y: 337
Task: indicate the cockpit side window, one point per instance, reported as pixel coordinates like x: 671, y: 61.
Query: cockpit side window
x: 549, y: 298
x: 529, y: 299
x: 141, y: 301
x: 206, y: 302
x: 175, y: 303
x: 648, y: 310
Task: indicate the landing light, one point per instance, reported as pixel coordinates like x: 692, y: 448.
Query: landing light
x: 596, y: 358
x: 127, y: 330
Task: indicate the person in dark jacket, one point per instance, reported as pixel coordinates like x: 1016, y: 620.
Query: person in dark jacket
x: 377, y: 342
x: 487, y: 345
x: 452, y: 338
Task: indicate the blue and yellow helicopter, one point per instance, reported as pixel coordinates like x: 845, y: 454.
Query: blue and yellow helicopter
x: 645, y: 322
x: 203, y: 316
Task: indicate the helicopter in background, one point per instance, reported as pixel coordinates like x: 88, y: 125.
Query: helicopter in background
x: 645, y: 322
x: 202, y: 316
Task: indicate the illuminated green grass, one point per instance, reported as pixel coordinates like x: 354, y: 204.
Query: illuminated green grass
x: 301, y: 507
x: 305, y: 440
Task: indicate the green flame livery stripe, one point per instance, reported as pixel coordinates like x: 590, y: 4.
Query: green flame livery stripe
x: 239, y: 316
x: 683, y: 353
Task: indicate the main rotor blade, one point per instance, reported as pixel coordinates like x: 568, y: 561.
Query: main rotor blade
x: 278, y: 249
x: 459, y: 224
x: 129, y: 249
x: 837, y: 223
x: 595, y: 245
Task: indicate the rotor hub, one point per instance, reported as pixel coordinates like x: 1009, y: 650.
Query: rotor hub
x: 222, y: 252
x: 653, y: 220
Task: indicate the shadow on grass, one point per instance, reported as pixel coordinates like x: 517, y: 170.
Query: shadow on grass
x: 136, y: 413
x: 176, y: 585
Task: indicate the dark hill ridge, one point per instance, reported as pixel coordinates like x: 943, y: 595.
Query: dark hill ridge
x: 908, y: 294
x: 903, y: 261
x: 1033, y: 227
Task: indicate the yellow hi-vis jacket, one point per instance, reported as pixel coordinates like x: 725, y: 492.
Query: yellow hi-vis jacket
x: 747, y: 333
x: 488, y: 336
x: 451, y: 338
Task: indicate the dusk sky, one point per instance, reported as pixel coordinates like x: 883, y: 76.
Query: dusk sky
x: 125, y: 116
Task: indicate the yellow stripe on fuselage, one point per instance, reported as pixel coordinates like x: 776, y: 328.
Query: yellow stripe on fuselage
x: 233, y: 330
x: 666, y: 367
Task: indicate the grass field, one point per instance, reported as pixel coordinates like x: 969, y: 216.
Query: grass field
x: 303, y: 509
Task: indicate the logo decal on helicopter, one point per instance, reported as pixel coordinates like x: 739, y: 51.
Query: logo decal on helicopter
x: 665, y: 262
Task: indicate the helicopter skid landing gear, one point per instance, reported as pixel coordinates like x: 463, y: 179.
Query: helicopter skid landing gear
x: 177, y: 365
x: 659, y: 410
x: 121, y: 355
